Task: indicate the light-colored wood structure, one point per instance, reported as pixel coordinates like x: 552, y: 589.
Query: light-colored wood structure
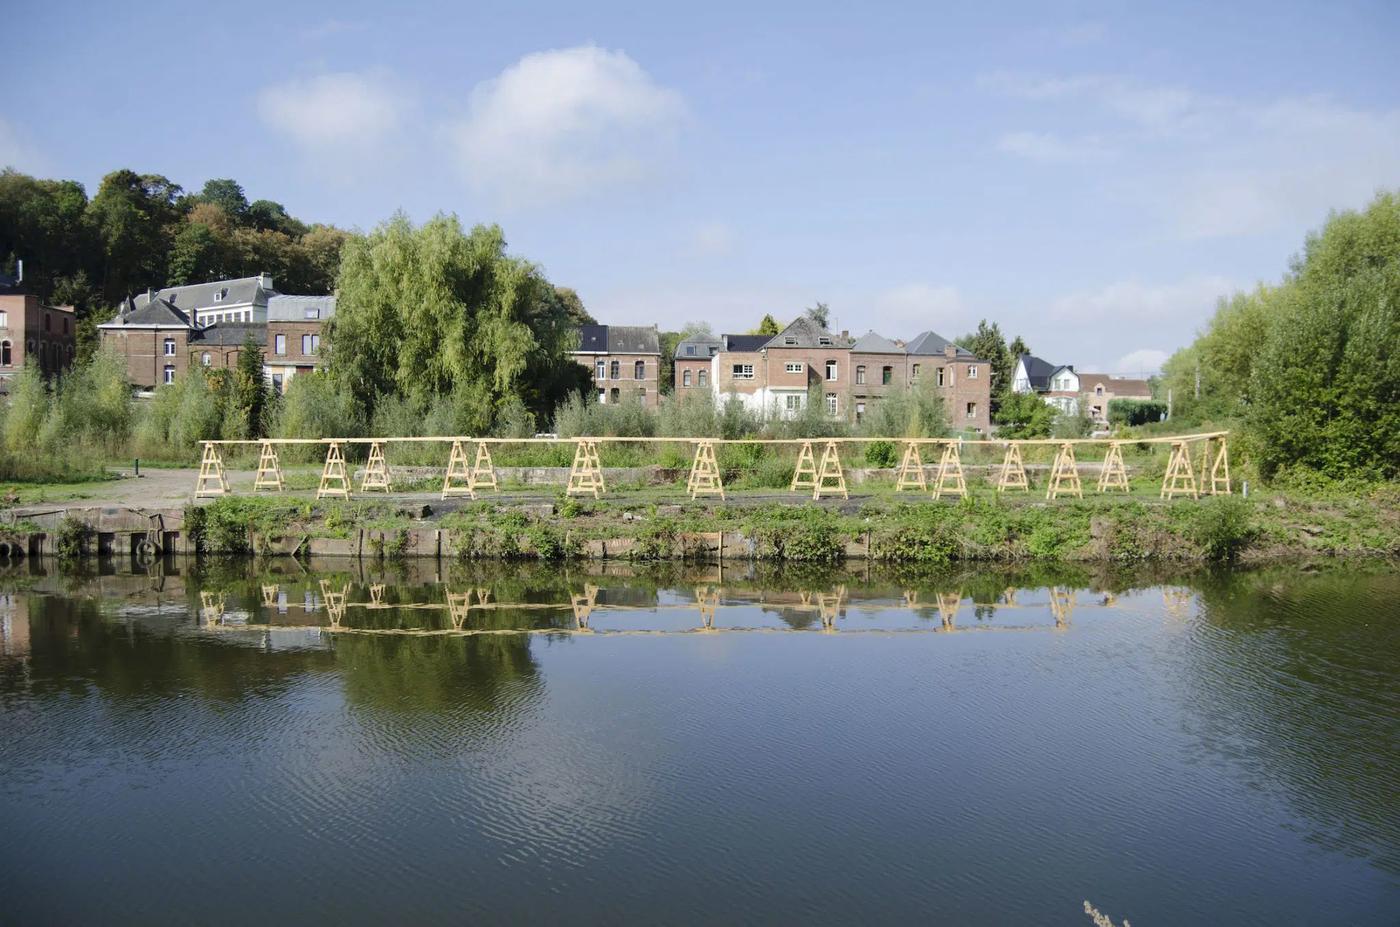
x: 948, y: 603
x: 704, y: 472
x: 950, y: 473
x: 1064, y: 475
x: 1013, y: 471
x: 334, y: 479
x: 911, y: 470
x: 586, y: 474
x: 376, y: 475
x: 1217, y: 483
x: 211, y: 480
x: 1113, y: 475
x: 269, y: 475
x: 1061, y: 605
x: 457, y: 481
x: 804, y: 476
x: 830, y: 478
x: 483, y: 470
x: 1180, y: 479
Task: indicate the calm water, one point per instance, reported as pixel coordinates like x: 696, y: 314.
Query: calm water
x: 269, y: 744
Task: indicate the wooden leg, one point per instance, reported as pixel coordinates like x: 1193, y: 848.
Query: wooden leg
x: 334, y: 480
x: 911, y: 470
x: 1013, y: 471
x: 376, y: 475
x: 1179, y: 480
x: 704, y: 472
x: 269, y: 474
x: 950, y: 473
x: 457, y: 481
x: 805, y: 476
x: 211, y: 480
x: 1064, y: 475
x: 483, y: 470
x: 1113, y: 475
x: 829, y: 476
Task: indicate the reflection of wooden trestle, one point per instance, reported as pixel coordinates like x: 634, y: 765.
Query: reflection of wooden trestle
x: 1061, y: 605
x: 829, y: 475
x: 1013, y: 471
x: 269, y: 595
x: 458, y: 605
x: 829, y: 607
x: 948, y: 603
x: 211, y: 480
x: 269, y: 475
x: 1064, y: 475
x: 950, y: 473
x: 334, y: 480
x: 1179, y: 480
x: 483, y: 470
x: 583, y: 606
x: 376, y: 475
x: 1176, y: 601
x: 335, y: 602
x: 457, y: 481
x: 704, y: 472
x: 211, y: 607
x: 586, y: 474
x: 911, y: 470
x: 707, y: 598
x: 1113, y: 475
x: 376, y: 596
x: 805, y: 474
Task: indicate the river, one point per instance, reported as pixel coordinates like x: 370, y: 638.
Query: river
x: 274, y: 742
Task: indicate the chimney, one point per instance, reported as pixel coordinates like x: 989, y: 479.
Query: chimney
x: 845, y: 335
x: 150, y: 295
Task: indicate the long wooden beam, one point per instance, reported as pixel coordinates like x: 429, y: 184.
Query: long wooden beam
x: 448, y: 439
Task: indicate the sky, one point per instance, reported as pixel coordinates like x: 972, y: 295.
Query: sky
x: 1091, y: 176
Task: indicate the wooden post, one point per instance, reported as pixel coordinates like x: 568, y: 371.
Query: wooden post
x: 334, y: 480
x: 950, y: 473
x: 1013, y: 471
x: 483, y: 470
x: 269, y: 470
x: 1220, y: 471
x: 211, y: 480
x: 1179, y: 480
x: 829, y: 475
x: 1064, y: 474
x: 805, y: 476
x: 1113, y: 475
x: 704, y: 472
x: 376, y: 475
x: 586, y: 474
x: 457, y: 481
x: 911, y: 470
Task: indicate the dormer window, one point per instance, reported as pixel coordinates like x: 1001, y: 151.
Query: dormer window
x: 790, y: 341
x: 824, y: 342
x: 313, y: 314
x: 220, y: 294
x: 690, y: 350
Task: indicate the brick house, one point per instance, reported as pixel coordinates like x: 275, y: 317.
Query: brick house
x: 29, y: 328
x: 963, y: 379
x: 692, y: 365
x: 1096, y: 390
x: 740, y: 370
x: 878, y: 368
x: 625, y: 360
x: 801, y: 357
x: 294, y: 328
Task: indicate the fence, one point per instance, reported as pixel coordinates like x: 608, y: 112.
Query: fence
x: 821, y: 474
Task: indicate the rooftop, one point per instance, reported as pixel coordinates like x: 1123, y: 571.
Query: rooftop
x: 619, y: 339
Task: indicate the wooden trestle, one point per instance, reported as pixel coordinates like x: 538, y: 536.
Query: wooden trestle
x: 911, y: 470
x: 1064, y: 475
x: 334, y: 480
x: 211, y: 480
x: 586, y: 474
x: 704, y: 472
x: 805, y: 474
x: 950, y: 473
x: 269, y: 474
x: 830, y: 479
x: 458, y: 479
x: 1113, y: 475
x: 1180, y: 479
x: 1013, y: 471
x: 376, y: 475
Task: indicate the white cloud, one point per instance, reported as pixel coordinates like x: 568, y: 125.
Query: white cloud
x: 17, y: 151
x: 712, y: 239
x: 558, y: 124
x: 1130, y: 303
x: 336, y: 114
x: 1155, y: 107
x: 1143, y: 361
x: 1045, y: 146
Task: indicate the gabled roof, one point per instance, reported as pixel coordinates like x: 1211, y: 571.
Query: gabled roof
x: 1119, y: 386
x: 748, y: 343
x: 1038, y: 371
x: 871, y: 343
x: 619, y: 339
x: 151, y: 313
x: 295, y: 308
x: 216, y: 294
x: 930, y: 343
x: 699, y: 348
x: 804, y: 332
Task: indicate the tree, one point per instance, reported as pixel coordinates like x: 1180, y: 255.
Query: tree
x: 819, y: 313
x: 433, y: 311
x: 1023, y: 415
x: 249, y: 390
x: 573, y: 306
x: 134, y: 217
x: 1017, y: 347
x: 768, y: 326
x: 989, y: 345
x: 228, y: 195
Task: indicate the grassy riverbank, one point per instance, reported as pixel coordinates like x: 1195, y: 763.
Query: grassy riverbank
x: 986, y: 527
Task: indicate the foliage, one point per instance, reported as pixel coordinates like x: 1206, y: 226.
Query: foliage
x: 819, y: 312
x: 767, y: 326
x: 988, y: 343
x: 1134, y: 412
x: 1076, y: 424
x: 881, y: 454
x: 1024, y: 415
x: 1224, y: 526
x: 71, y: 541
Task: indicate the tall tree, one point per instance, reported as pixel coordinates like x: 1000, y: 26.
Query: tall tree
x: 134, y: 217
x: 819, y: 313
x: 227, y: 194
x: 250, y: 390
x: 768, y: 326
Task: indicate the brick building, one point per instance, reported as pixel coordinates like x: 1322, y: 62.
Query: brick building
x: 963, y: 379
x: 625, y: 361
x: 31, y: 329
x: 692, y: 365
x: 879, y: 367
x: 294, y: 328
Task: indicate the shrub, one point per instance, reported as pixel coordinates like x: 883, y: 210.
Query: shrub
x: 881, y: 454
x: 1133, y: 412
x: 1224, y: 525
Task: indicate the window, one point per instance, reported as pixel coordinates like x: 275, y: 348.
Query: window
x: 824, y: 342
x: 603, y: 396
x: 1098, y: 390
x: 794, y: 368
x: 743, y: 371
x: 685, y: 378
x: 639, y: 370
x: 310, y: 344
x: 220, y: 294
x: 615, y: 396
x: 860, y: 412
x: 601, y: 371
x: 972, y: 410
x: 169, y: 373
x: 789, y: 341
x: 4, y: 320
x: 793, y: 403
x: 311, y: 314
x: 914, y: 372
x: 277, y: 382
x: 65, y: 325
x: 6, y: 357
x: 690, y: 350
x: 170, y: 347
x: 940, y: 376
x: 704, y: 378
x: 972, y: 371
x: 830, y: 403
x: 615, y: 371
x: 204, y: 359
x: 887, y: 376
x: 642, y: 393
x: 831, y: 370
x: 860, y: 373
x: 279, y: 344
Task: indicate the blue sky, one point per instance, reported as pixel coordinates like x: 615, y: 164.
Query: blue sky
x: 1092, y: 176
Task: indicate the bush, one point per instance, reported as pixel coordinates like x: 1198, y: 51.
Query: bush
x: 1024, y: 415
x: 1133, y: 412
x: 881, y: 454
x: 1224, y: 525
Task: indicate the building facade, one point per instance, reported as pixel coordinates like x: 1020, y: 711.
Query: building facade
x: 879, y: 367
x: 692, y: 365
x: 293, y: 341
x: 31, y: 329
x: 625, y: 361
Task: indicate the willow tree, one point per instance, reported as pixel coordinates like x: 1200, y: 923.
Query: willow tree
x: 431, y: 311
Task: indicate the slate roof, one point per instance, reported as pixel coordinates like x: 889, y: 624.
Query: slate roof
x: 150, y: 313
x: 294, y: 308
x: 226, y: 334
x: 745, y: 342
x: 1038, y: 371
x: 700, y: 348
x: 931, y: 343
x: 203, y: 295
x: 871, y: 343
x: 807, y: 334
x: 619, y: 339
